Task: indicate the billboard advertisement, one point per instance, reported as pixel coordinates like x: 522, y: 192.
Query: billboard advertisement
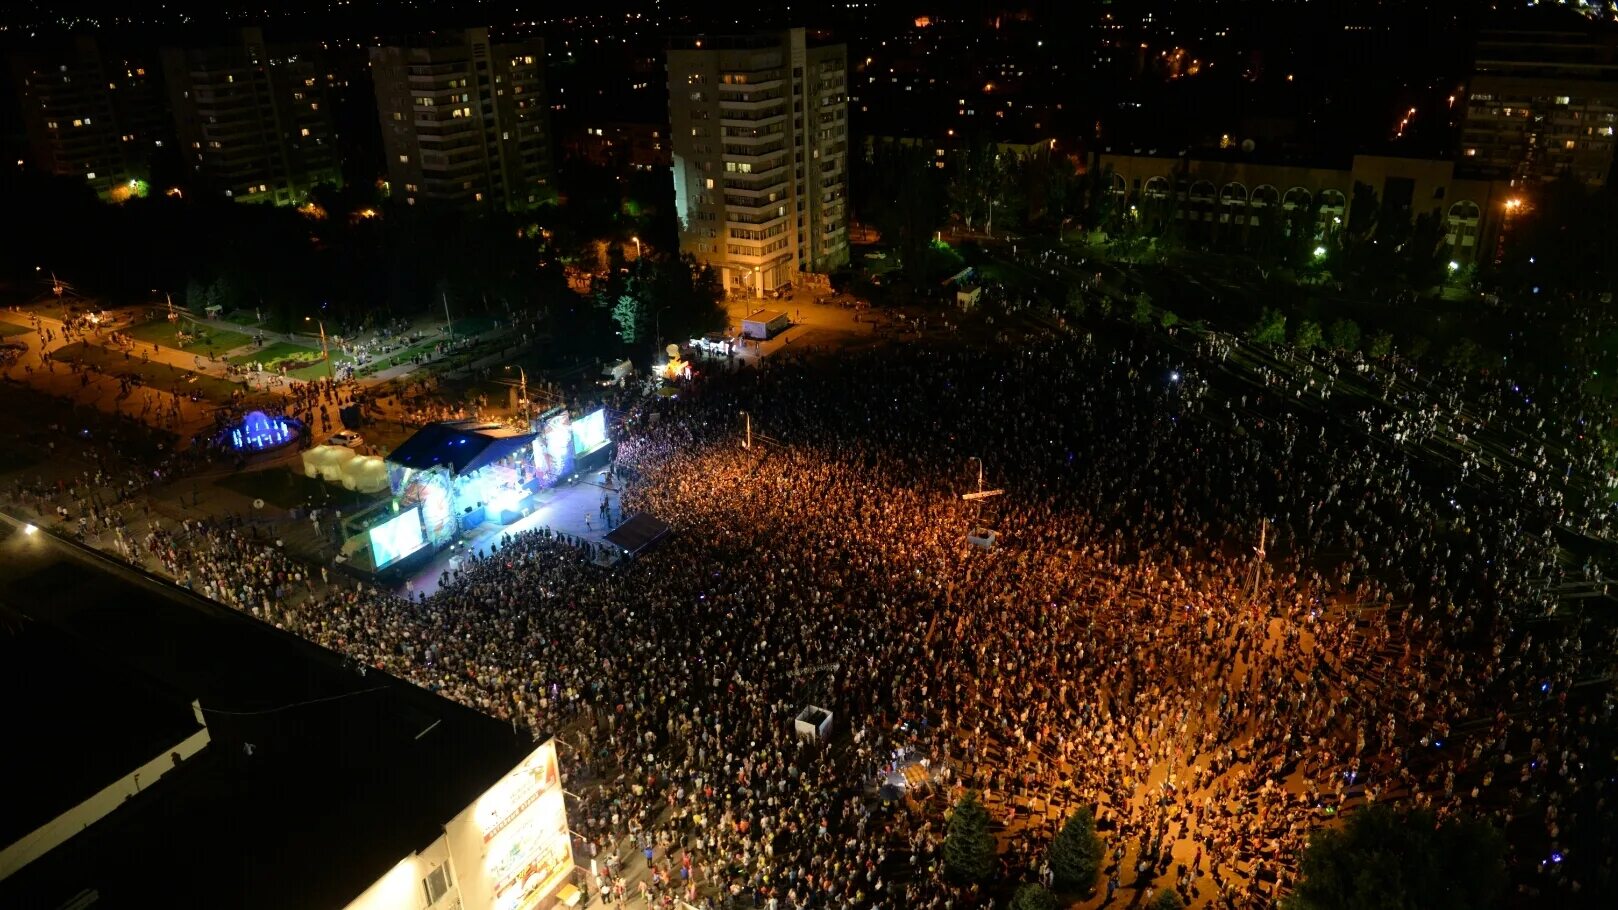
x: 589, y: 432
x: 511, y: 847
x: 396, y: 538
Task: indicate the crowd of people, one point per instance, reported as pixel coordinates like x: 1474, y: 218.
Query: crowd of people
x: 1117, y: 645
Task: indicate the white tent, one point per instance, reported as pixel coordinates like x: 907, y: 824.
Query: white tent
x: 326, y: 462
x: 365, y: 473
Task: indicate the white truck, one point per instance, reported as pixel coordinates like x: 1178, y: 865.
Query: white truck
x: 763, y: 326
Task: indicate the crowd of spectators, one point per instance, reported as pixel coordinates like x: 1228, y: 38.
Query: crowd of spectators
x: 1119, y: 645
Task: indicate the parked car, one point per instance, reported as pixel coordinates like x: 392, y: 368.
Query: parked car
x: 347, y: 439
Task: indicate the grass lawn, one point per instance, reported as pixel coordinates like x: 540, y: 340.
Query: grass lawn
x: 285, y: 488
x: 8, y: 329
x: 210, y: 341
x: 270, y: 353
x: 472, y: 325
x: 159, y: 376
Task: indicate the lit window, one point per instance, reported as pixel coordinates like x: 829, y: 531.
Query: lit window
x: 404, y: 159
x: 304, y: 131
x: 91, y: 175
x: 710, y: 183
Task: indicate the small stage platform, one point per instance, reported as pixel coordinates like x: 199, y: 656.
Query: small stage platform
x: 638, y: 534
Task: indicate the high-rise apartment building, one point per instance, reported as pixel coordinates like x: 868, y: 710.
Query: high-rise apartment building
x: 760, y: 136
x: 1543, y: 101
x: 89, y: 114
x: 253, y: 120
x: 464, y: 121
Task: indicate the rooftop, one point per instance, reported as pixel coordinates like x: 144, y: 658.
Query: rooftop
x: 348, y: 772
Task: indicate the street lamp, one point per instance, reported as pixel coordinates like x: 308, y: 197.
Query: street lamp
x: 980, y: 470
x: 1320, y: 252
x: 657, y: 323
x: 522, y: 381
x: 637, y: 248
x: 325, y: 351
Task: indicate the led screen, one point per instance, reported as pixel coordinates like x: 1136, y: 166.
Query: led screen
x: 397, y: 538
x: 553, y: 450
x: 589, y: 432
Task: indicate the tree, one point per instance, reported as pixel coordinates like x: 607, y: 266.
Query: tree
x: 1075, y: 300
x: 1166, y: 899
x: 1170, y: 319
x: 1271, y: 328
x: 1419, y: 346
x: 974, y: 179
x: 1142, y: 312
x: 1401, y: 861
x: 905, y: 201
x: 1465, y: 355
x: 1381, y: 345
x: 1307, y: 336
x: 1344, y: 335
x: 1032, y: 897
x: 968, y: 845
x: 1077, y: 852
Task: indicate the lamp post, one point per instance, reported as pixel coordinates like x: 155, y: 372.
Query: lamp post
x: 325, y: 351
x: 637, y: 247
x: 657, y: 323
x: 522, y: 386
x: 980, y: 470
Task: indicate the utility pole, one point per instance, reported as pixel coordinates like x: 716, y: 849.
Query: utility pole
x: 1258, y: 563
x: 325, y: 352
x: 449, y: 324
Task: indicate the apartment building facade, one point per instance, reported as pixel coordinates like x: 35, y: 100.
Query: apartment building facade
x: 759, y: 128
x: 253, y: 120
x: 91, y: 114
x: 1542, y: 102
x: 465, y: 121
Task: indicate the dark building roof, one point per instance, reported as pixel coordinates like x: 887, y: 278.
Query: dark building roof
x: 638, y: 533
x: 464, y: 445
x: 97, y: 724
x: 349, y: 772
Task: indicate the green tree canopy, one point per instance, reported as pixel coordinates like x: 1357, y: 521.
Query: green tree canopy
x: 1344, y: 335
x: 1380, y: 345
x: 1271, y: 328
x: 1077, y: 852
x: 1307, y: 336
x: 968, y: 845
x: 1032, y: 897
x: 1166, y: 899
x: 1381, y: 859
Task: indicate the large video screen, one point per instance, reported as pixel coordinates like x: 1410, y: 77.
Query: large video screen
x: 553, y: 450
x: 397, y: 538
x: 589, y: 432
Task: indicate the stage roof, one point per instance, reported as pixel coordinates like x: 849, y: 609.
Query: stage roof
x: 638, y: 533
x: 464, y: 445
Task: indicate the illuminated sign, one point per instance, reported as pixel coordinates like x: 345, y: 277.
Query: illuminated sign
x: 512, y: 846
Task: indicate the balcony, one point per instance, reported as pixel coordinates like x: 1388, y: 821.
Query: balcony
x: 728, y: 117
